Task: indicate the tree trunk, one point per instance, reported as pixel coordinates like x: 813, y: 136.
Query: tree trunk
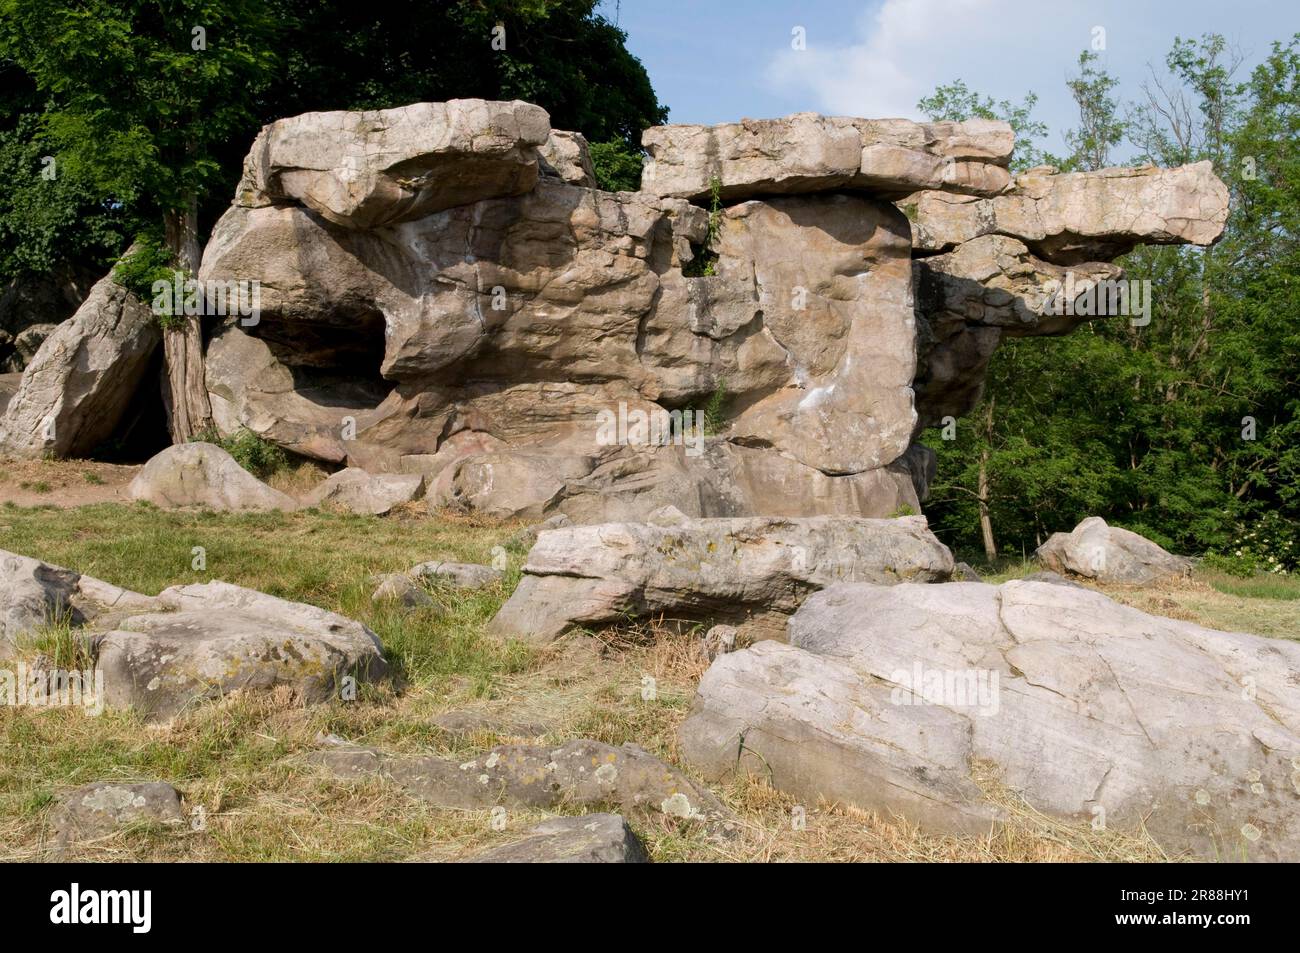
x: 986, y: 522
x: 185, y: 393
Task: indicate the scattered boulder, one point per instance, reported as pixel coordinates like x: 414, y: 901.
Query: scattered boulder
x: 1110, y: 554
x: 370, y: 494
x: 589, y: 839
x: 80, y: 383
x: 399, y: 587
x: 735, y: 569
x: 964, y: 572
x: 96, y: 810
x: 580, y: 773
x: 463, y: 724
x: 202, y: 474
x: 932, y: 701
x: 526, y: 537
x: 457, y: 575
x: 32, y: 594
x: 217, y: 638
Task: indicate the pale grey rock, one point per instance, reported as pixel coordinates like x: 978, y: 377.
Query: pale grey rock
x: 204, y: 475
x: 76, y: 389
x: 732, y: 569
x: 566, y: 156
x: 912, y: 699
x: 588, y: 839
x: 399, y: 587
x: 371, y: 494
x: 32, y: 594
x: 216, y: 638
x: 1110, y: 554
x: 457, y: 575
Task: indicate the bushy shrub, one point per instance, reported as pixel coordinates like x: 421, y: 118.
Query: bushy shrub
x: 1267, y: 545
x: 258, y: 456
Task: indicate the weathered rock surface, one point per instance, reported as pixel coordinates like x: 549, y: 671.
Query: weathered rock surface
x: 1110, y: 554
x: 919, y: 700
x: 217, y: 638
x: 589, y: 839
x: 580, y: 773
x: 401, y: 588
x: 373, y: 494
x: 806, y: 152
x: 362, y: 169
x: 32, y: 594
x: 204, y: 475
x: 522, y: 344
x: 77, y: 388
x: 96, y: 810
x: 741, y: 570
x: 457, y: 575
x: 1081, y: 216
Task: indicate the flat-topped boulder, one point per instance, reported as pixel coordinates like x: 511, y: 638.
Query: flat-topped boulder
x: 944, y: 704
x: 1110, y: 554
x: 212, y: 639
x: 807, y: 152
x: 753, y: 570
x: 373, y: 167
x: 371, y: 494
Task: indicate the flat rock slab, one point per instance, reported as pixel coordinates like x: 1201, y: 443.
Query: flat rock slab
x: 807, y: 152
x: 32, y: 594
x: 96, y: 810
x: 704, y: 568
x: 218, y: 638
x: 589, y: 839
x: 922, y: 701
x: 204, y: 475
x: 580, y: 773
x: 1110, y: 554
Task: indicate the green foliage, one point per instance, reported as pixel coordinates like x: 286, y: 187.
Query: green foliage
x: 715, y: 410
x: 1100, y: 128
x: 1186, y: 429
x: 954, y: 102
x: 259, y: 457
x: 617, y: 165
x: 1269, y: 544
x: 147, y: 261
x: 705, y: 261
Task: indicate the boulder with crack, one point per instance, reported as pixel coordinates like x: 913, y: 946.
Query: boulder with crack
x: 754, y: 570
x: 948, y: 704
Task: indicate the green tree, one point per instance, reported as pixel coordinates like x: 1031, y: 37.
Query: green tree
x: 954, y: 102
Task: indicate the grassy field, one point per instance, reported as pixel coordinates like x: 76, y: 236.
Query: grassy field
x: 242, y: 760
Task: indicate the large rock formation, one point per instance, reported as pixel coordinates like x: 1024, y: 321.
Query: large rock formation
x: 443, y: 292
x: 948, y: 704
x: 1110, y: 554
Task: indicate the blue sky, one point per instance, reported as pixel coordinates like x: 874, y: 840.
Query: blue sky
x: 729, y: 59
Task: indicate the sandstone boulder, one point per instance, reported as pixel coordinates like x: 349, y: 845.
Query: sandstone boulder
x: 456, y: 575
x: 216, y: 638
x: 566, y: 156
x: 806, y: 152
x: 371, y: 494
x: 939, y: 702
x: 399, y: 587
x: 741, y: 570
x: 374, y: 167
x: 588, y: 839
x: 1082, y: 216
x: 203, y: 474
x: 81, y: 381
x: 1110, y: 554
